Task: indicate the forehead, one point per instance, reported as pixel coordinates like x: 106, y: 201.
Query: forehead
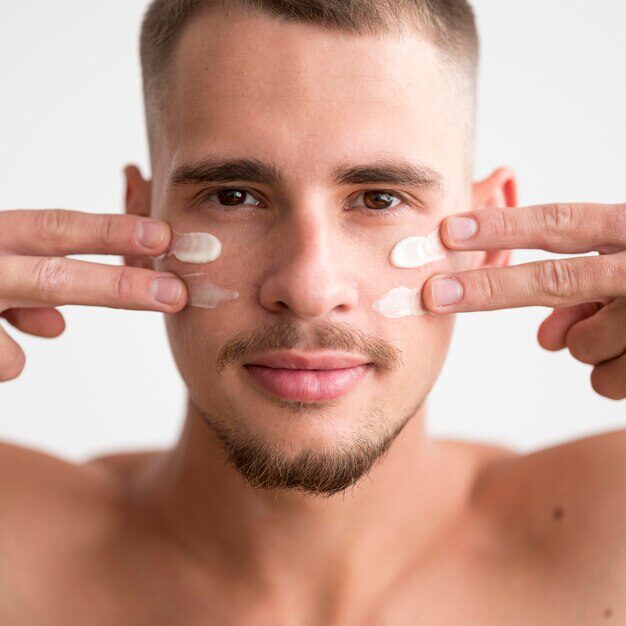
x: 303, y: 95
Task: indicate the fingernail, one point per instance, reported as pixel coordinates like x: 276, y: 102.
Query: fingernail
x: 166, y: 290
x: 151, y: 234
x: 447, y: 291
x: 462, y: 228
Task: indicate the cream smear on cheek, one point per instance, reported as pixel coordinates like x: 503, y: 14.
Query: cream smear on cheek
x: 400, y: 302
x: 410, y: 253
x: 200, y: 248
x: 206, y: 295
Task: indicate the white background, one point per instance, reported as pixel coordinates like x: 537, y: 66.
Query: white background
x: 552, y: 106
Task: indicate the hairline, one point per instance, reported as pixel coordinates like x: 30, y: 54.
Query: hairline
x: 156, y: 84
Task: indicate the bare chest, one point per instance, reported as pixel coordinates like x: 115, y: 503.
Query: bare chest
x: 444, y: 593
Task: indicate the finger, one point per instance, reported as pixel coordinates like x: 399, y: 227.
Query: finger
x: 553, y: 331
x: 609, y: 379
x: 48, y: 323
x: 56, y: 281
x: 601, y: 337
x: 12, y: 357
x: 554, y: 283
x: 57, y: 232
x: 562, y: 228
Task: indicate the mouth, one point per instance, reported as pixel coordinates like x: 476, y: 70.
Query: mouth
x: 307, y: 377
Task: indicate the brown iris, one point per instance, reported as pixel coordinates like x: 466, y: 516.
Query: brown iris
x: 231, y: 197
x: 377, y: 199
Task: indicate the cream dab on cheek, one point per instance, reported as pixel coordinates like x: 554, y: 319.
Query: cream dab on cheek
x: 196, y: 247
x: 415, y: 252
x: 400, y: 302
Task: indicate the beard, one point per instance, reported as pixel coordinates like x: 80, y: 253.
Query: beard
x: 322, y: 473
x: 261, y: 462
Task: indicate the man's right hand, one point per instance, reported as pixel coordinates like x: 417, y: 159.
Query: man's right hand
x: 35, y: 276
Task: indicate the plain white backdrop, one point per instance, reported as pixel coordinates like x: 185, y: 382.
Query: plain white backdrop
x: 552, y: 106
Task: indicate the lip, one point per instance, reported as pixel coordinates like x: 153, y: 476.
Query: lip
x: 311, y: 377
x: 308, y: 361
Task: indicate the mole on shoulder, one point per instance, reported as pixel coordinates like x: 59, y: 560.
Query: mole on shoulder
x: 608, y: 614
x: 558, y: 514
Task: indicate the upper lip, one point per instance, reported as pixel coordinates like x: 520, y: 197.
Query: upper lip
x: 308, y: 361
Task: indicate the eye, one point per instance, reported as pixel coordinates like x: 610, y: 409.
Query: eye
x: 230, y: 197
x: 378, y: 200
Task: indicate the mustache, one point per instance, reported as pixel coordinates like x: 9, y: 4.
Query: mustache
x: 327, y: 336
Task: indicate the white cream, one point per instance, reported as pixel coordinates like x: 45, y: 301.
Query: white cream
x: 206, y: 295
x: 196, y: 247
x: 400, y: 302
x: 418, y: 251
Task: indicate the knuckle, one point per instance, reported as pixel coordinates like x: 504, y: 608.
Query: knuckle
x: 51, y: 274
x: 52, y: 225
x: 503, y: 224
x: 107, y: 232
x: 558, y: 218
x: 611, y: 271
x: 112, y: 231
x: 556, y: 279
x: 124, y: 285
x: 489, y: 287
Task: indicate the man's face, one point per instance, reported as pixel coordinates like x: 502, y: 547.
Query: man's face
x: 308, y: 254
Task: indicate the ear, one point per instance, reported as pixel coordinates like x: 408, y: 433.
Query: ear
x: 138, y: 202
x: 496, y: 191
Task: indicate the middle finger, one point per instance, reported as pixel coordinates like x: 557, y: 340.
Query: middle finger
x: 553, y: 283
x: 57, y: 281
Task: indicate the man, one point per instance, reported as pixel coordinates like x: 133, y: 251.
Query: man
x: 307, y: 158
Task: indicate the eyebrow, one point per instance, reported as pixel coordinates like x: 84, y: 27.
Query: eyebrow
x: 388, y: 171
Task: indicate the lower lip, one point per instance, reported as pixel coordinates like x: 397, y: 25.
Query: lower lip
x: 307, y: 385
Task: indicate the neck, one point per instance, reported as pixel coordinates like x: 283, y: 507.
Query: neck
x: 369, y: 532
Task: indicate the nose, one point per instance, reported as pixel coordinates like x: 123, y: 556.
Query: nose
x: 309, y: 275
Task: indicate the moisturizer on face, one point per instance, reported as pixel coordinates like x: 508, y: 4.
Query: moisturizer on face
x: 204, y: 294
x: 196, y: 247
x: 415, y: 252
x: 400, y: 302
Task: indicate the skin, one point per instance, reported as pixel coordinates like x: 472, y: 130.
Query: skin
x: 439, y: 532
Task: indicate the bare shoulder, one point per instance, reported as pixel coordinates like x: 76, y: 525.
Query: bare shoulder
x: 564, y: 510
x: 587, y: 476
x: 38, y: 489
x: 29, y: 472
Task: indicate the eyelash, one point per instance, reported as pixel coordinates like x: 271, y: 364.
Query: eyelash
x: 404, y: 200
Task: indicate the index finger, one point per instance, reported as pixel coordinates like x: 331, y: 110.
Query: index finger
x: 561, y: 228
x: 60, y: 232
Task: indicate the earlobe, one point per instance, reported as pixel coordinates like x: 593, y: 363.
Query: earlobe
x: 137, y: 202
x: 499, y: 190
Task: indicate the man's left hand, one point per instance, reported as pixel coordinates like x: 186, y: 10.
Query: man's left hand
x: 588, y: 293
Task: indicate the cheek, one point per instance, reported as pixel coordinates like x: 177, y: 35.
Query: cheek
x: 427, y: 341
x: 196, y: 337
